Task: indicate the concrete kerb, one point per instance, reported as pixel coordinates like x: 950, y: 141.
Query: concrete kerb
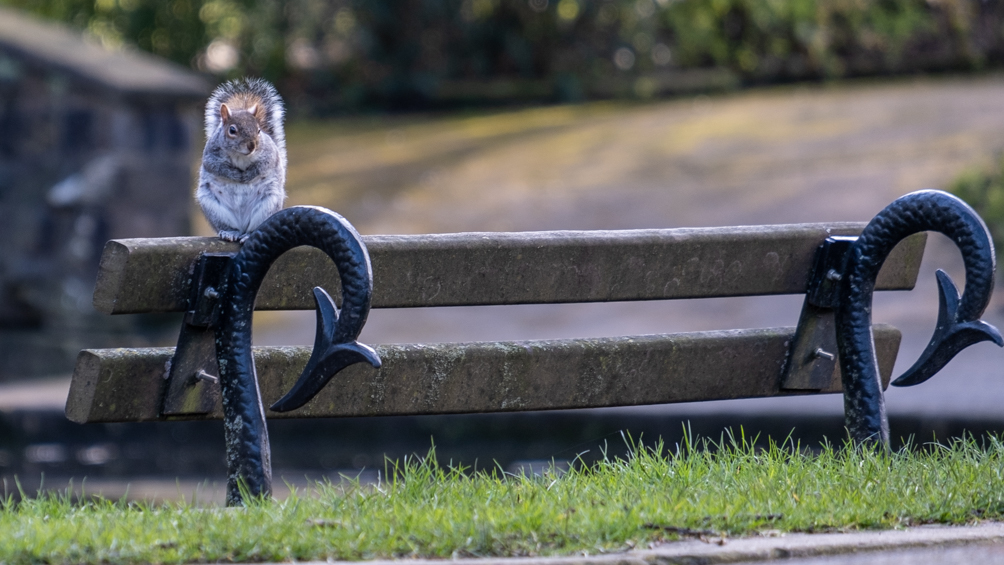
x: 713, y: 550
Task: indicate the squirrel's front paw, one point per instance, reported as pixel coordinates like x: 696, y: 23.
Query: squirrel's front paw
x: 227, y: 235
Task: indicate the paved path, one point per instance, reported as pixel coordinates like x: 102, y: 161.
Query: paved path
x: 982, y: 553
x: 925, y: 545
x: 803, y: 154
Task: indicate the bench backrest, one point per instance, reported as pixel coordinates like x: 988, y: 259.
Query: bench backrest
x: 155, y: 275
x: 470, y: 269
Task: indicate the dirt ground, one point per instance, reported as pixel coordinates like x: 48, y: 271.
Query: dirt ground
x: 786, y: 155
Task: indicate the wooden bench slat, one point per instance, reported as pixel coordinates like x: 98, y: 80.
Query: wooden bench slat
x: 154, y: 275
x: 114, y: 385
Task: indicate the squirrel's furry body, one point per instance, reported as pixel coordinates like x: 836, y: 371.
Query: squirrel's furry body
x: 243, y: 176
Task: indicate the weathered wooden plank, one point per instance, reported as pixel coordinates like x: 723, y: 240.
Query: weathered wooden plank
x: 153, y: 275
x: 114, y: 385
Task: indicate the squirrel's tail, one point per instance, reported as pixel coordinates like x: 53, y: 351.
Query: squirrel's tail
x: 244, y: 93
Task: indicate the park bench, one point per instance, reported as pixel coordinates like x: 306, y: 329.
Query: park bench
x: 188, y: 274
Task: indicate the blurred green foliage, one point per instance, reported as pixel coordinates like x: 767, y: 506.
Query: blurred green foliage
x: 983, y: 189
x: 338, y: 54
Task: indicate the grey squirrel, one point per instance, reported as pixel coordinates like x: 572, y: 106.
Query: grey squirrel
x: 243, y: 176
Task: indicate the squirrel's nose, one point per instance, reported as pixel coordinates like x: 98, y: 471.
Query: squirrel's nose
x: 250, y: 147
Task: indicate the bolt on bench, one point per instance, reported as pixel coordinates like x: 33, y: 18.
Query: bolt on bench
x: 215, y: 373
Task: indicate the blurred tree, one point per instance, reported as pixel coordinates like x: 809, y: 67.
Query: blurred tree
x: 169, y: 29
x: 339, y: 54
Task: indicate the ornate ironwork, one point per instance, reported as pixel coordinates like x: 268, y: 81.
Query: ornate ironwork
x: 192, y: 382
x: 811, y: 359
x: 335, y: 346
x: 958, y: 325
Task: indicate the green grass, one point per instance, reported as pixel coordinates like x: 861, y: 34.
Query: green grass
x: 428, y: 510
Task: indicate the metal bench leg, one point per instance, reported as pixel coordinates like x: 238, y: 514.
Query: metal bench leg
x: 958, y: 326
x: 335, y: 347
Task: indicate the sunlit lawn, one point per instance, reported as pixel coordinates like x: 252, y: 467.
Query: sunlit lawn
x: 616, y: 505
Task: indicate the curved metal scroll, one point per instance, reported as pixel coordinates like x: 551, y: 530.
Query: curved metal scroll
x: 335, y: 347
x: 958, y: 326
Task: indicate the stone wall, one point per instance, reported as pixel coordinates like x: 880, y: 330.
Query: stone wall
x: 80, y: 164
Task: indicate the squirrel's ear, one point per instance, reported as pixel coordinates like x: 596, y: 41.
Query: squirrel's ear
x: 224, y: 112
x: 253, y: 110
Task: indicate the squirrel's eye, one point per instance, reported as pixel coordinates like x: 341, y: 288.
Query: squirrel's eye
x: 233, y: 130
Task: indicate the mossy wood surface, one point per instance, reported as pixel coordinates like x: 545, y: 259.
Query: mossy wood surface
x: 114, y: 385
x: 154, y: 275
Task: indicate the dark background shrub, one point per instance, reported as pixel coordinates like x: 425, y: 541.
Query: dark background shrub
x: 415, y: 54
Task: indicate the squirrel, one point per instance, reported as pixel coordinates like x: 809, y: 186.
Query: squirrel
x: 243, y: 175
